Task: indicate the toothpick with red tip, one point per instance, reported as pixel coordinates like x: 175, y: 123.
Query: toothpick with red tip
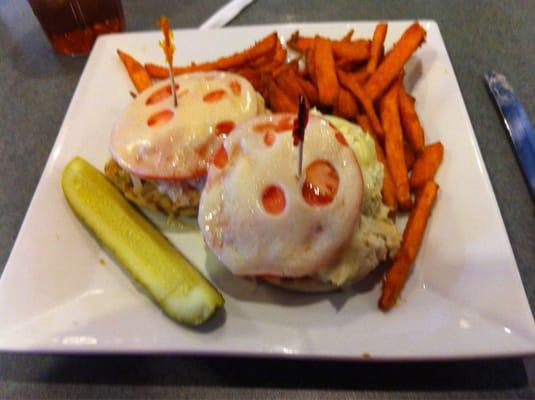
x: 168, y: 47
x: 300, y: 123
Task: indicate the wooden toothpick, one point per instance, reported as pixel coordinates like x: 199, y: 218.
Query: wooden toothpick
x: 168, y: 47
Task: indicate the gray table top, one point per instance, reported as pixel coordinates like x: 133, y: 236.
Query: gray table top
x: 35, y: 90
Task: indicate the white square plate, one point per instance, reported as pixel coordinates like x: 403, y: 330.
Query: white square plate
x: 61, y: 292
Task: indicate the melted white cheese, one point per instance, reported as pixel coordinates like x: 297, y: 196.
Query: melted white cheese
x: 181, y: 147
x: 301, y: 239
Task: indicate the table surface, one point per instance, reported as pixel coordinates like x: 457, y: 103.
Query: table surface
x: 35, y: 91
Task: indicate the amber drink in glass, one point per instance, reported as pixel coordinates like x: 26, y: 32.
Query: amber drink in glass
x: 73, y: 25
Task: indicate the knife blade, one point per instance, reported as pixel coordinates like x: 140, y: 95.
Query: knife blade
x: 517, y: 122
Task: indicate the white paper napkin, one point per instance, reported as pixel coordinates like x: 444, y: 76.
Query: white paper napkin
x: 225, y: 14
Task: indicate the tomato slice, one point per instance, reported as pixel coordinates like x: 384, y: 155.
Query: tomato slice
x: 215, y: 95
x: 160, y: 118
x: 273, y: 199
x: 269, y: 138
x: 220, y: 157
x: 263, y: 127
x: 321, y: 183
x: 161, y: 94
x: 341, y: 139
x: 224, y: 128
x: 285, y: 124
x: 235, y: 87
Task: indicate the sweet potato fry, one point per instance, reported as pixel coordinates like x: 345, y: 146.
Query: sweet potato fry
x: 273, y: 58
x: 288, y: 83
x: 353, y: 66
x: 279, y: 70
x: 263, y: 46
x: 157, y: 71
x: 364, y: 123
x: 426, y: 165
x: 293, y: 65
x: 412, y: 238
x: 278, y: 59
x: 346, y: 64
x: 262, y: 60
x: 412, y: 129
x: 394, y: 61
x: 310, y: 90
x: 270, y: 67
x: 299, y: 43
x: 299, y: 84
x: 376, y: 47
x: 410, y: 157
x: 236, y: 60
x: 350, y: 83
x: 347, y: 37
x: 360, y: 75
x: 395, y: 156
x: 325, y: 71
x: 255, y: 78
x: 265, y: 82
x: 139, y: 76
x: 260, y: 48
x: 414, y: 231
x: 309, y: 63
x: 345, y: 105
x: 279, y: 101
x: 357, y: 50
x: 252, y: 75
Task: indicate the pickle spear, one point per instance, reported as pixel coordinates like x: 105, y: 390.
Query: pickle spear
x: 174, y: 284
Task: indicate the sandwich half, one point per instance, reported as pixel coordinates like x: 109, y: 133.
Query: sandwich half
x: 323, y: 230
x: 160, y: 153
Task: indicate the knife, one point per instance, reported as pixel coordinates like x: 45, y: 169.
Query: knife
x: 517, y: 123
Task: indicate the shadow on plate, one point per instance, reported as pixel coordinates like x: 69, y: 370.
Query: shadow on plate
x: 413, y: 73
x: 257, y: 291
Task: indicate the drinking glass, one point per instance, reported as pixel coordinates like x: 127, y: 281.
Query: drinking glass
x: 73, y: 25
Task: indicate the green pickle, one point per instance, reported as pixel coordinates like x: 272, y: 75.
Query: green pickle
x: 175, y: 285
